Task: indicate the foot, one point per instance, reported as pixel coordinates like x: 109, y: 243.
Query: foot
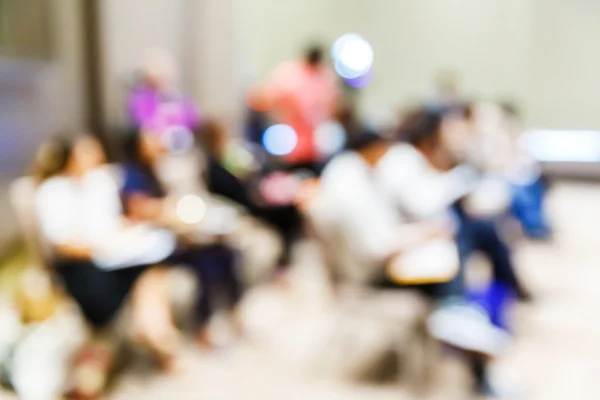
x: 204, y: 340
x: 236, y: 324
x: 90, y: 372
x: 524, y: 295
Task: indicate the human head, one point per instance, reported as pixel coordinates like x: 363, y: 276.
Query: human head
x: 313, y: 55
x: 159, y: 70
x: 68, y: 156
x: 143, y: 148
x: 88, y: 153
x: 52, y: 158
x: 370, y: 146
x: 213, y: 138
x: 440, y: 133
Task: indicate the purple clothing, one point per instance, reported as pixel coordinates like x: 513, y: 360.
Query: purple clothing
x: 151, y: 110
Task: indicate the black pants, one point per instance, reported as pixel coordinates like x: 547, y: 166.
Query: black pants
x: 100, y: 293
x: 481, y: 235
x: 216, y: 268
x: 287, y: 221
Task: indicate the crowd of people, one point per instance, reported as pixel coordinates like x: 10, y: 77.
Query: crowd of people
x: 402, y: 206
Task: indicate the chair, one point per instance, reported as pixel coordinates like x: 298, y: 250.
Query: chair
x: 408, y: 310
x: 22, y: 199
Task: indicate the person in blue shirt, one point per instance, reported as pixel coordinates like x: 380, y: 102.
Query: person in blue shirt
x: 215, y: 264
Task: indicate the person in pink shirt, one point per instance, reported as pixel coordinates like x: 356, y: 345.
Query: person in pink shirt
x: 303, y: 94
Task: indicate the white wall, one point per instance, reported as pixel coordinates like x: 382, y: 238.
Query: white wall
x: 565, y: 71
x: 38, y: 99
x: 129, y: 29
x: 540, y: 53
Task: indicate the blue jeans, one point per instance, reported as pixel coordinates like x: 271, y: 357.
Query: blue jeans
x: 475, y: 235
x: 528, y: 208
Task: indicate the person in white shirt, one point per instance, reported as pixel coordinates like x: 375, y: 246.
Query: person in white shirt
x: 367, y: 230
x: 423, y: 176
x: 100, y: 258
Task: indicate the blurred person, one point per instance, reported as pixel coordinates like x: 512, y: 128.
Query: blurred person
x: 79, y: 212
x: 373, y: 235
x: 371, y: 232
x: 525, y: 176
x: 155, y: 102
x: 303, y: 94
x: 422, y: 176
x: 285, y: 219
x: 145, y: 200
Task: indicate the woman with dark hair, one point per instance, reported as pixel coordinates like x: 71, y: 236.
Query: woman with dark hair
x: 285, y: 219
x: 145, y: 201
x: 79, y: 213
x: 424, y: 176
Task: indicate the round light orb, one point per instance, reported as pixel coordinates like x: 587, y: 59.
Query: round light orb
x: 330, y: 137
x: 353, y: 56
x: 280, y: 139
x: 190, y: 209
x: 178, y: 139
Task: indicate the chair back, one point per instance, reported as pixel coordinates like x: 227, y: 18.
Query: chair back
x: 22, y: 193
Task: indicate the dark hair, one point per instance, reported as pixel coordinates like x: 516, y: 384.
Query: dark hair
x: 132, y: 146
x: 208, y: 135
x: 423, y: 124
x: 365, y: 140
x: 314, y: 55
x: 52, y: 158
x: 420, y: 125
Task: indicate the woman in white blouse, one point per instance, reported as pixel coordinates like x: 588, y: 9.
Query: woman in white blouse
x: 100, y: 258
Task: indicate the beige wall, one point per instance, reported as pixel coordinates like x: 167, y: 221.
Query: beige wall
x: 541, y: 53
x: 129, y: 28
x: 38, y: 99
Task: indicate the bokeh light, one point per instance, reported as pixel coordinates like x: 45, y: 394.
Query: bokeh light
x: 191, y: 209
x: 330, y: 137
x: 280, y: 139
x: 178, y: 139
x: 353, y: 56
x: 361, y: 81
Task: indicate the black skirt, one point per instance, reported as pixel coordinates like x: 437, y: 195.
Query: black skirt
x: 99, y: 293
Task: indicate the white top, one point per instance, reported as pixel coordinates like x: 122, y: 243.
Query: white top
x: 88, y: 211
x: 419, y: 190
x: 356, y: 218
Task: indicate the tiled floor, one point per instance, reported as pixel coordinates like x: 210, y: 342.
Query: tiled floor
x: 291, y: 351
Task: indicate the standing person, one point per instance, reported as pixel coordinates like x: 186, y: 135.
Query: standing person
x: 215, y: 265
x: 303, y: 94
x: 156, y: 103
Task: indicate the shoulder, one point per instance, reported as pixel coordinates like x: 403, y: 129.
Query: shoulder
x: 403, y: 156
x: 57, y: 190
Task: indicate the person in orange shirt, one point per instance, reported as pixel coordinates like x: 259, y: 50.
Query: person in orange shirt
x: 303, y: 94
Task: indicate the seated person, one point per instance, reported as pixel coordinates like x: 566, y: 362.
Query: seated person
x: 421, y: 176
x: 370, y: 234
x: 145, y: 200
x: 285, y: 219
x: 368, y: 230
x: 79, y: 213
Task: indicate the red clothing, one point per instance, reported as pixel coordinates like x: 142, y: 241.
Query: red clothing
x: 304, y: 97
